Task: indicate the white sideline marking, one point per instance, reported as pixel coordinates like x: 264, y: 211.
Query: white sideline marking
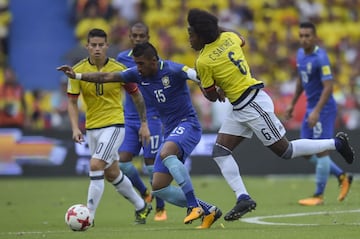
x: 259, y: 220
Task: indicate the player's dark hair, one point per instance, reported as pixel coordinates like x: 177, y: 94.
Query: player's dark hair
x: 204, y: 24
x: 145, y: 49
x: 140, y: 25
x: 308, y: 25
x: 97, y: 33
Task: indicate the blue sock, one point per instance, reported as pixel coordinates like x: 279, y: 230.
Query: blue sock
x: 335, y: 170
x: 182, y: 178
x: 159, y: 202
x: 243, y: 197
x: 205, y: 206
x: 131, y: 172
x: 173, y: 195
x: 338, y: 143
x: 322, y: 172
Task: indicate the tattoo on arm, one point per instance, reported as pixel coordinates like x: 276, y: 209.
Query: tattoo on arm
x: 140, y: 106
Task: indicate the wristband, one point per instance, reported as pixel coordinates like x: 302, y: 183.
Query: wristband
x: 78, y: 76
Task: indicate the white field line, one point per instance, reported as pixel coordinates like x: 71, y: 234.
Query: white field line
x: 259, y: 219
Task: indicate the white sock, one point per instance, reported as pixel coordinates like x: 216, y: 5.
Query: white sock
x: 124, y: 186
x: 95, y: 191
x: 230, y: 171
x: 303, y: 147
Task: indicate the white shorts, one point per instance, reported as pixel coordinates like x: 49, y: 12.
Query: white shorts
x: 105, y: 142
x: 257, y: 117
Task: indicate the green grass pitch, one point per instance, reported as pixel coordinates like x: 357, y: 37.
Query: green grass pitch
x: 35, y: 208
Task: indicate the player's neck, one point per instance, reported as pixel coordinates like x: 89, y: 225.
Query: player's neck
x: 99, y: 63
x: 310, y: 50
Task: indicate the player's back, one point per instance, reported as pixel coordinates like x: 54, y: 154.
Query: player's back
x: 223, y: 63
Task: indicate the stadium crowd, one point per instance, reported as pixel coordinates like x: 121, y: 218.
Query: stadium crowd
x: 270, y: 28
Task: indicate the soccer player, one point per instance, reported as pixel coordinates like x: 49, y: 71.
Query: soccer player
x: 315, y: 78
x: 223, y: 70
x: 105, y: 124
x: 139, y: 33
x: 163, y: 84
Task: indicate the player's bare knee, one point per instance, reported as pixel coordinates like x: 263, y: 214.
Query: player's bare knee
x: 288, y: 152
x: 112, y: 172
x: 111, y: 176
x: 220, y: 151
x: 157, y: 185
x: 125, y: 157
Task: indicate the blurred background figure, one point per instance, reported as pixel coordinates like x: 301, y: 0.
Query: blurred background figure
x: 310, y: 10
x: 59, y: 101
x: 92, y: 19
x: 12, y: 101
x: 5, y: 20
x: 38, y: 109
x: 129, y: 10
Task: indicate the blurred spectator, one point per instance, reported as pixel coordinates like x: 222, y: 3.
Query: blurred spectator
x: 350, y: 104
x: 228, y: 18
x: 130, y: 10
x: 246, y: 15
x: 12, y: 101
x: 39, y: 109
x: 5, y: 20
x: 78, y: 7
x: 310, y: 10
x: 118, y: 37
x: 92, y: 19
x: 59, y: 102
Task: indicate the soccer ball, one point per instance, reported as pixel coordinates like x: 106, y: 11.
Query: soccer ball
x: 77, y: 217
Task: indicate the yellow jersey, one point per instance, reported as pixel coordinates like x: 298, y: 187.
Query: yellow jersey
x: 222, y: 63
x: 103, y: 102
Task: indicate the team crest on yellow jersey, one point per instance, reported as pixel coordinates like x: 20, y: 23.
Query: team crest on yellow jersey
x: 166, y: 82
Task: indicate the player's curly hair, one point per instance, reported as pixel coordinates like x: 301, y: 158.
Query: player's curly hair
x: 204, y: 24
x: 145, y: 49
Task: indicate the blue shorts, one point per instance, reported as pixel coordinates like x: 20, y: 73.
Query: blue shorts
x: 324, y: 129
x: 131, y: 141
x: 186, y: 135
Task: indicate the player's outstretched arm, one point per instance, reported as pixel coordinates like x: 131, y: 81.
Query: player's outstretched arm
x: 68, y: 71
x: 98, y: 77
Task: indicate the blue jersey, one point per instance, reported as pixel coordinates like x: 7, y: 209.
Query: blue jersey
x: 314, y: 68
x: 168, y: 92
x: 132, y: 120
x: 130, y: 111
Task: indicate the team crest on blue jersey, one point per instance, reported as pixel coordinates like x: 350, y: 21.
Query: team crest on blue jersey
x: 309, y: 67
x: 166, y: 82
